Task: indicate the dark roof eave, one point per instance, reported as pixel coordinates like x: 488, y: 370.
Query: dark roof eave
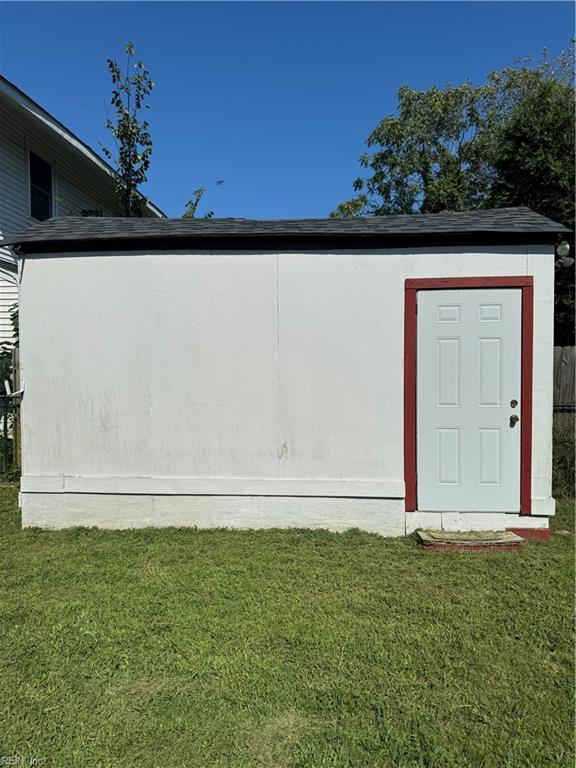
x: 311, y: 241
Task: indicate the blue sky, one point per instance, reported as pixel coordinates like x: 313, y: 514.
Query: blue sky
x: 275, y: 98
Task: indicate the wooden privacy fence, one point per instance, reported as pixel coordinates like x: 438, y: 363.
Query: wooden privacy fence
x: 564, y: 375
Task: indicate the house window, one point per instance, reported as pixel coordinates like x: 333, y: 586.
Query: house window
x: 40, y: 188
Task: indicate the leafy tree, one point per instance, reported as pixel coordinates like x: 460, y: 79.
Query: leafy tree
x: 194, y: 202
x: 427, y: 158
x: 533, y: 148
x: 535, y: 166
x: 439, y: 152
x: 15, y: 322
x: 534, y: 160
x: 507, y: 142
x: 130, y: 131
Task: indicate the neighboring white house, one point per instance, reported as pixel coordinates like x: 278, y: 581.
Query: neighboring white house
x: 45, y: 171
x: 387, y: 373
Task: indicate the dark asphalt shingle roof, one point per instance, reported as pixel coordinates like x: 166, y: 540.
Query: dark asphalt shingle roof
x: 77, y: 233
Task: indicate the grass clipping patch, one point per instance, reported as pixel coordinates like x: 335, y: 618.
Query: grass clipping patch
x: 273, y: 742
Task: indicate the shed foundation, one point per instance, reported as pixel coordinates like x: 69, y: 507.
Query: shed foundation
x: 386, y: 517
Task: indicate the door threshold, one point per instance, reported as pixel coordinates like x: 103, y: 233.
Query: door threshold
x: 477, y: 541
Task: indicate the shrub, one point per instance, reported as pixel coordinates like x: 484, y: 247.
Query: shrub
x: 563, y: 456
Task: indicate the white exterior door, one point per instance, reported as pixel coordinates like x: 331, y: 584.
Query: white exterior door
x: 468, y: 400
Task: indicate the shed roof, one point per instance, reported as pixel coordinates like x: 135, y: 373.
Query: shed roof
x: 497, y: 226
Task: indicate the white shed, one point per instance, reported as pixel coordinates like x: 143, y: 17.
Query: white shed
x: 384, y: 373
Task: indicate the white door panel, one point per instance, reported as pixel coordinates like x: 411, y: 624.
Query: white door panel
x: 468, y: 372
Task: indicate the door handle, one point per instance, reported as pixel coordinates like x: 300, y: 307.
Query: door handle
x: 514, y: 420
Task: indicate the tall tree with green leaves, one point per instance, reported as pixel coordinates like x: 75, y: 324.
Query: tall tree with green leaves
x: 534, y: 158
x: 506, y: 142
x: 425, y: 159
x: 440, y: 151
x: 535, y: 166
x: 130, y: 89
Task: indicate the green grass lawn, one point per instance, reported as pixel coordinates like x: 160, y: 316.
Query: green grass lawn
x: 282, y: 648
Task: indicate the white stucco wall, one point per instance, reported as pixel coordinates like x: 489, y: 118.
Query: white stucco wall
x: 236, y: 375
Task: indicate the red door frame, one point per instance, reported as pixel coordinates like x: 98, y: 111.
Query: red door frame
x: 411, y: 288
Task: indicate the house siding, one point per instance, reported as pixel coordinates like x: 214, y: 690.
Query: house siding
x: 13, y: 187
x: 8, y: 297
x: 78, y: 184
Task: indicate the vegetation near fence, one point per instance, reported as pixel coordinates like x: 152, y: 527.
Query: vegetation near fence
x: 9, y: 415
x: 563, y: 473
x: 9, y: 444
x: 563, y: 468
